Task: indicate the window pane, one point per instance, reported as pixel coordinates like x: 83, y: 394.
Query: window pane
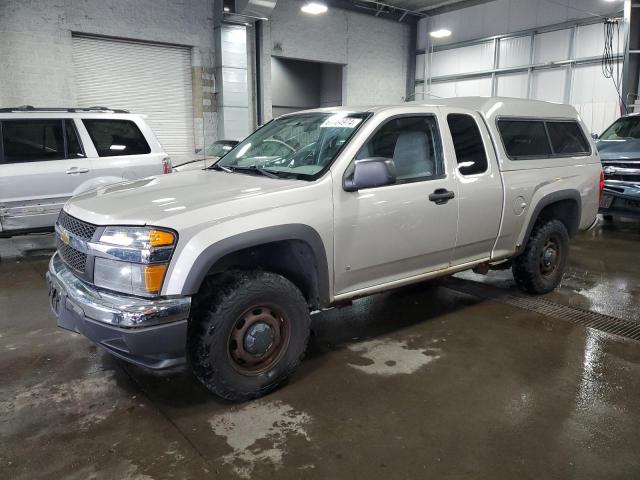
x: 552, y: 46
x: 467, y: 142
x: 549, y: 84
x: 116, y: 137
x: 412, y: 143
x: 74, y: 150
x: 524, y: 138
x: 567, y: 138
x: 32, y: 140
x: 515, y: 52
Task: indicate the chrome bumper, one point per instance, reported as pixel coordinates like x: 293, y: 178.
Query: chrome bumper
x: 147, y: 332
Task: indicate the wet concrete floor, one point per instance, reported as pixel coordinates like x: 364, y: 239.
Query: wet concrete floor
x: 421, y: 382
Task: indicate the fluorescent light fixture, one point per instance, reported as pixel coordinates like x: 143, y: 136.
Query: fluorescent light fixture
x: 314, y: 8
x: 226, y: 9
x: 442, y: 33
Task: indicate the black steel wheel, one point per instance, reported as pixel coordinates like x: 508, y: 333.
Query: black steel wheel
x: 248, y: 333
x: 540, y: 267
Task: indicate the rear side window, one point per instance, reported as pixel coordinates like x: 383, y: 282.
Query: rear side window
x: 567, y: 138
x: 116, y: 137
x: 524, y: 138
x: 467, y: 141
x: 32, y: 140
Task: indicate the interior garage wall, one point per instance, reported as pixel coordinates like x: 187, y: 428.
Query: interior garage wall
x: 508, y: 16
x: 36, y: 55
x: 534, y: 49
x: 373, y: 51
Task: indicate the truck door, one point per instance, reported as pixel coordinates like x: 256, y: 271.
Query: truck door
x: 41, y: 164
x: 479, y: 185
x: 390, y: 233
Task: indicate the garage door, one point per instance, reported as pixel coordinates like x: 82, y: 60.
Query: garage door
x: 154, y: 80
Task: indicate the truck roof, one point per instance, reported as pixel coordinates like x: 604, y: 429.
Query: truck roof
x: 487, y: 106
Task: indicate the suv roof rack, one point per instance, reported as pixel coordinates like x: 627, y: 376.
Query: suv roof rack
x: 31, y: 108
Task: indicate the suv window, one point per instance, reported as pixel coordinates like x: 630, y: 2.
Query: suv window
x: 32, y: 140
x: 567, y: 138
x: 74, y: 149
x: 116, y: 137
x: 524, y: 138
x: 414, y: 145
x: 468, y: 145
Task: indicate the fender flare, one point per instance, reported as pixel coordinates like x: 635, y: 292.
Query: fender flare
x: 213, y: 253
x: 553, y: 197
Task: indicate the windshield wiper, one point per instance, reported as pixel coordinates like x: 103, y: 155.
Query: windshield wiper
x: 262, y: 171
x: 215, y: 166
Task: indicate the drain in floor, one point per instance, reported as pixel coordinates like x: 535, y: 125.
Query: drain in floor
x: 578, y: 316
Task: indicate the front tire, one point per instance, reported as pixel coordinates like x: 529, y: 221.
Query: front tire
x: 540, y: 267
x: 248, y: 333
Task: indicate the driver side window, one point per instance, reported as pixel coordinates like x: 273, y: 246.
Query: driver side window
x: 413, y: 143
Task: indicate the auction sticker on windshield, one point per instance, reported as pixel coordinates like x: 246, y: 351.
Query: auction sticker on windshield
x: 341, y: 122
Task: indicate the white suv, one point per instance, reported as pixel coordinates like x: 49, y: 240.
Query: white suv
x: 47, y: 155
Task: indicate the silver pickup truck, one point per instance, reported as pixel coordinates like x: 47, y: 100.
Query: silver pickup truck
x: 224, y: 266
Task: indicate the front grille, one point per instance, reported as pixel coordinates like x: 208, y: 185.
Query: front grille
x: 79, y: 228
x: 72, y: 257
x: 632, y: 164
x: 622, y: 178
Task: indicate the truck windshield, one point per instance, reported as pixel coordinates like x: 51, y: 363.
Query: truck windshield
x: 295, y: 146
x: 622, y: 129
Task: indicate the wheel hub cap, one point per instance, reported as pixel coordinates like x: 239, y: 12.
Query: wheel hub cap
x: 258, y: 339
x: 549, y: 257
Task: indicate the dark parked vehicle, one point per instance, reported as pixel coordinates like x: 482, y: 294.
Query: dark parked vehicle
x: 619, y: 148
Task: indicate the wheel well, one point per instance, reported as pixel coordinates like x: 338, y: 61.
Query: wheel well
x: 293, y: 259
x: 567, y: 211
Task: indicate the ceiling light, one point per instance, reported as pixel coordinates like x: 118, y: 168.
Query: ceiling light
x: 227, y: 9
x: 442, y: 33
x: 314, y: 8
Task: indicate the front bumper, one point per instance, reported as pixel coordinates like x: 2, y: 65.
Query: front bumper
x: 148, y: 332
x: 620, y: 199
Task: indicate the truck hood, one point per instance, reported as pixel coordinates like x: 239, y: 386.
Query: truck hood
x: 158, y: 200
x: 619, y: 149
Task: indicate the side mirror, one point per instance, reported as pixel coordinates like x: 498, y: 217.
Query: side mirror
x: 369, y: 173
x: 594, y: 136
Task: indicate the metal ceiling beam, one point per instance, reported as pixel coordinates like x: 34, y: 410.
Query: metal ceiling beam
x: 450, y: 5
x: 378, y: 9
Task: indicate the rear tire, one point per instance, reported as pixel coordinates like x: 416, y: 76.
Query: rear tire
x: 248, y: 333
x: 540, y: 267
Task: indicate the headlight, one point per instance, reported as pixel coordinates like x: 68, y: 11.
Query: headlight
x: 136, y: 237
x: 135, y: 259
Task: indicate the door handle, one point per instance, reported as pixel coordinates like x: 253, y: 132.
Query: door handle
x: 441, y: 196
x: 74, y: 170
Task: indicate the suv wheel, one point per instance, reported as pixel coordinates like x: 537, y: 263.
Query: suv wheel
x: 248, y: 334
x: 540, y: 267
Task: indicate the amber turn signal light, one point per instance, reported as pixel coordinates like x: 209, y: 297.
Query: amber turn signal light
x: 153, y: 277
x: 160, y: 238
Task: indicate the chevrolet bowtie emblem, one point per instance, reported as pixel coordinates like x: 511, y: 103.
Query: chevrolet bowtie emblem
x: 64, y: 236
